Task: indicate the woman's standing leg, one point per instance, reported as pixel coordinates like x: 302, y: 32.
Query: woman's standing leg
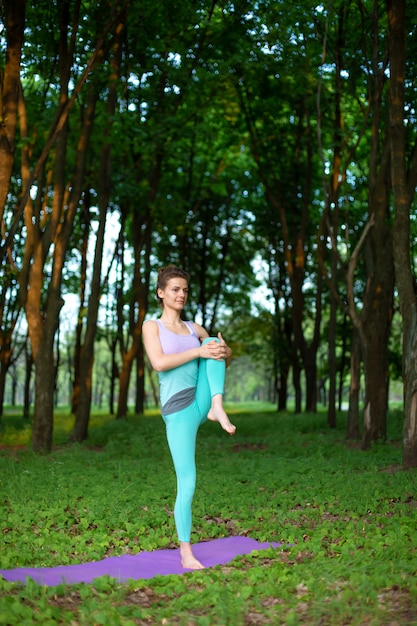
x: 181, y: 431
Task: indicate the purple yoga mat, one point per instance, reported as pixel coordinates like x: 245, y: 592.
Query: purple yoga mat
x: 141, y: 565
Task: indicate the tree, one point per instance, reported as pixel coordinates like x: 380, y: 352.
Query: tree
x: 237, y: 131
x: 404, y: 180
x: 281, y: 124
x: 49, y: 215
x: 103, y: 184
x: 14, y: 20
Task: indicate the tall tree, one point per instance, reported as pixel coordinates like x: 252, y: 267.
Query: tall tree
x: 82, y: 412
x: 13, y: 14
x: 372, y: 318
x: 282, y: 128
x: 50, y: 214
x: 404, y: 181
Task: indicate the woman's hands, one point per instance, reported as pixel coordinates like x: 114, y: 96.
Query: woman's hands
x: 228, y: 350
x: 217, y: 350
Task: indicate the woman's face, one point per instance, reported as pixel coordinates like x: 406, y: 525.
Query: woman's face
x: 175, y: 294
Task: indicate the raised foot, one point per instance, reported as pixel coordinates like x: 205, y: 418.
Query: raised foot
x: 221, y: 417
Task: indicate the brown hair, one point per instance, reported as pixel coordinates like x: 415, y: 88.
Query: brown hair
x: 165, y: 274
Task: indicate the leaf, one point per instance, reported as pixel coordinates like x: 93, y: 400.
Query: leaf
x: 246, y: 592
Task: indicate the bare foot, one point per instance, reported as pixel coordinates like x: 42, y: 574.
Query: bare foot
x: 188, y: 560
x: 218, y: 414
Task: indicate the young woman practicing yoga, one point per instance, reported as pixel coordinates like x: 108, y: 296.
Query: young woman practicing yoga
x: 191, y: 367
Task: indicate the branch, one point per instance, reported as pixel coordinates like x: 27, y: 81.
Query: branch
x: 350, y: 276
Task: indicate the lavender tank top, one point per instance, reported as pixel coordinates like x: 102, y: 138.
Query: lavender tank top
x: 172, y: 342
x: 177, y: 386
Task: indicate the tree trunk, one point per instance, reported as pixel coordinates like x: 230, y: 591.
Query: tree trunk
x: 80, y: 429
x: 43, y: 317
x: 5, y: 361
x: 142, y: 229
x: 283, y: 387
x: 42, y: 434
x: 15, y: 377
x: 114, y: 375
x: 343, y: 362
x: 82, y: 307
x: 310, y: 368
x: 124, y: 380
x: 28, y: 377
x: 57, y: 364
x: 298, y: 339
x: 140, y: 380
x: 374, y: 320
x: 331, y: 408
x: 310, y: 352
x: 403, y: 191
x: 14, y: 22
x: 296, y: 375
x: 282, y: 339
x: 83, y: 389
x: 3, y: 372
x: 353, y: 431
x: 82, y: 415
x: 10, y: 88
x: 128, y: 358
x: 333, y: 210
x: 377, y: 310
x: 376, y: 323
x: 155, y: 394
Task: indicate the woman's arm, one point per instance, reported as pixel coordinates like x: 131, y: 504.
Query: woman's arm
x: 161, y: 362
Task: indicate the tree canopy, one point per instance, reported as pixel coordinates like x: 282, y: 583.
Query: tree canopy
x: 224, y: 137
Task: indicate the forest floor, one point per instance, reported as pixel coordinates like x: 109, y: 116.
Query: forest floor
x: 347, y: 519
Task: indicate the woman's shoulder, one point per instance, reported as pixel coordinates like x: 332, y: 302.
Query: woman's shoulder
x: 200, y: 330
x: 150, y: 325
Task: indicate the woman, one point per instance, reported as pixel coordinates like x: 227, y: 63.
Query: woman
x: 191, y: 368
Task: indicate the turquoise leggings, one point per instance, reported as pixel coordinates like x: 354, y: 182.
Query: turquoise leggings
x: 181, y: 428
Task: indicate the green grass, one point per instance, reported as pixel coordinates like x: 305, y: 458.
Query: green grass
x: 351, y: 515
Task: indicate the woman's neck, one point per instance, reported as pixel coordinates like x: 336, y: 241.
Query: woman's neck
x: 172, y: 318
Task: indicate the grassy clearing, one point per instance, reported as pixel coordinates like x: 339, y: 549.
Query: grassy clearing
x: 351, y: 515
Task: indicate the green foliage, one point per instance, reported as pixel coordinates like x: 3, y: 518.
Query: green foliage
x: 226, y: 126
x: 346, y: 519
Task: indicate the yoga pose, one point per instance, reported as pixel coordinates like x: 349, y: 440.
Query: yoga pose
x: 191, y: 367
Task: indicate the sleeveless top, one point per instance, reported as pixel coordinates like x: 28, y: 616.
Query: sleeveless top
x: 177, y: 386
